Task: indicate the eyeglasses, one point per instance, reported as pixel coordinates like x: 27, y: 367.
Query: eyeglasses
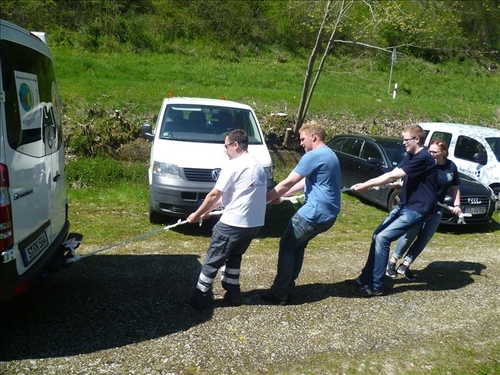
x: 434, y: 152
x: 229, y: 144
x: 405, y: 140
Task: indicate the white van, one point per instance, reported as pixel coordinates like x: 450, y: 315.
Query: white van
x: 188, y: 151
x: 33, y: 202
x: 474, y: 149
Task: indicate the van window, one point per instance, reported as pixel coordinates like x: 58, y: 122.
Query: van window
x: 468, y: 148
x: 441, y: 136
x: 207, y: 123
x: 32, y: 107
x: 495, y: 146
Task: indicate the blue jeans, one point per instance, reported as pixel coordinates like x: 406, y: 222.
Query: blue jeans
x: 291, y: 253
x: 394, y: 226
x: 415, y: 245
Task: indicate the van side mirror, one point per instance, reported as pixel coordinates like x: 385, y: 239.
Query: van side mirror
x: 147, y: 132
x: 479, y: 157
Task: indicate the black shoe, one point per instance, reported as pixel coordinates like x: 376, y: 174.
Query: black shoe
x: 366, y: 292
x: 354, y: 282
x: 391, y: 270
x: 405, y: 271
x: 200, y: 302
x: 234, y: 299
x: 269, y: 296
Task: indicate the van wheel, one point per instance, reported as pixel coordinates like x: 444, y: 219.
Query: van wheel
x: 393, y: 200
x: 155, y: 217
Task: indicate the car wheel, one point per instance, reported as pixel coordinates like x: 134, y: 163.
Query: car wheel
x: 393, y: 200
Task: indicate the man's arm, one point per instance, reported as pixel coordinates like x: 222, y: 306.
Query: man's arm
x: 209, y: 203
x: 292, y: 184
x: 391, y: 176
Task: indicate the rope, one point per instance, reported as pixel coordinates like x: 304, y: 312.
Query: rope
x: 461, y: 217
x: 294, y: 199
x: 74, y: 257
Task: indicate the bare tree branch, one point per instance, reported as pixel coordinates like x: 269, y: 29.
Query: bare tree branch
x: 312, y: 59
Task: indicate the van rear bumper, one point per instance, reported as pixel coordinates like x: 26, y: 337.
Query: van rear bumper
x: 12, y: 284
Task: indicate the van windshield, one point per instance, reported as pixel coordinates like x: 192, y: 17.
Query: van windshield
x: 495, y: 146
x: 208, y: 124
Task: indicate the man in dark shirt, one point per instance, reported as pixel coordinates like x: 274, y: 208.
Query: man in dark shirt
x: 418, y: 200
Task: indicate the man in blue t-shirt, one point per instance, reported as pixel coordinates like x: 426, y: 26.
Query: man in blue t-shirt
x: 418, y: 200
x: 318, y: 175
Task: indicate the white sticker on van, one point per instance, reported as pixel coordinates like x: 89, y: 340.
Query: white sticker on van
x: 28, y: 97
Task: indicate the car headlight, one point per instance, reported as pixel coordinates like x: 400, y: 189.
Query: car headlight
x: 492, y: 193
x: 165, y: 169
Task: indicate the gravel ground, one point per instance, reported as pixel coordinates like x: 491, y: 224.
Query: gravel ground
x: 123, y: 312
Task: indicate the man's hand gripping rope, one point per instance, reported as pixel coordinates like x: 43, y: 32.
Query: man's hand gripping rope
x: 461, y: 216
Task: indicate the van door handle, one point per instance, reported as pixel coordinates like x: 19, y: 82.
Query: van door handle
x: 56, y: 177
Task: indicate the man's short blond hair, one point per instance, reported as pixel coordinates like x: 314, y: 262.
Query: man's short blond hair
x: 416, y: 131
x: 313, y: 127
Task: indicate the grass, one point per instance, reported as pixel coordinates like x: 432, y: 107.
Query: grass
x: 353, y: 89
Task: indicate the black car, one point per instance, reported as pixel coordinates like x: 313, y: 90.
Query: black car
x: 363, y: 157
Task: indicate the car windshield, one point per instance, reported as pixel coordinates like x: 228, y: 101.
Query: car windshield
x: 200, y: 123
x: 394, y: 149
x: 495, y: 146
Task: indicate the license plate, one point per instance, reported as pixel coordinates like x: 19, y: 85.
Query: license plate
x: 35, y: 248
x: 475, y: 210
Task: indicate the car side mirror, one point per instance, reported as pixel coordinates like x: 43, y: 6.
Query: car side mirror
x: 479, y: 157
x: 374, y: 160
x: 147, y: 132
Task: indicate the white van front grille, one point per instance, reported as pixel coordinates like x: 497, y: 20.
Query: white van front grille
x: 198, y: 175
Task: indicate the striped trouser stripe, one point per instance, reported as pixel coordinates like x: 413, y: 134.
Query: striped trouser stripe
x: 204, y: 283
x: 230, y: 275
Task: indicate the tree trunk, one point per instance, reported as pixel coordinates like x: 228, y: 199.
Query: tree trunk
x: 308, y: 89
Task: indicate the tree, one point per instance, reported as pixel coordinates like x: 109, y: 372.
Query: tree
x: 308, y: 88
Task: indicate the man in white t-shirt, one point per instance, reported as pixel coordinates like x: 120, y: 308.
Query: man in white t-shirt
x: 241, y: 191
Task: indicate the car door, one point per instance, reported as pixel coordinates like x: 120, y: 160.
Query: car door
x: 347, y: 151
x: 371, y: 164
